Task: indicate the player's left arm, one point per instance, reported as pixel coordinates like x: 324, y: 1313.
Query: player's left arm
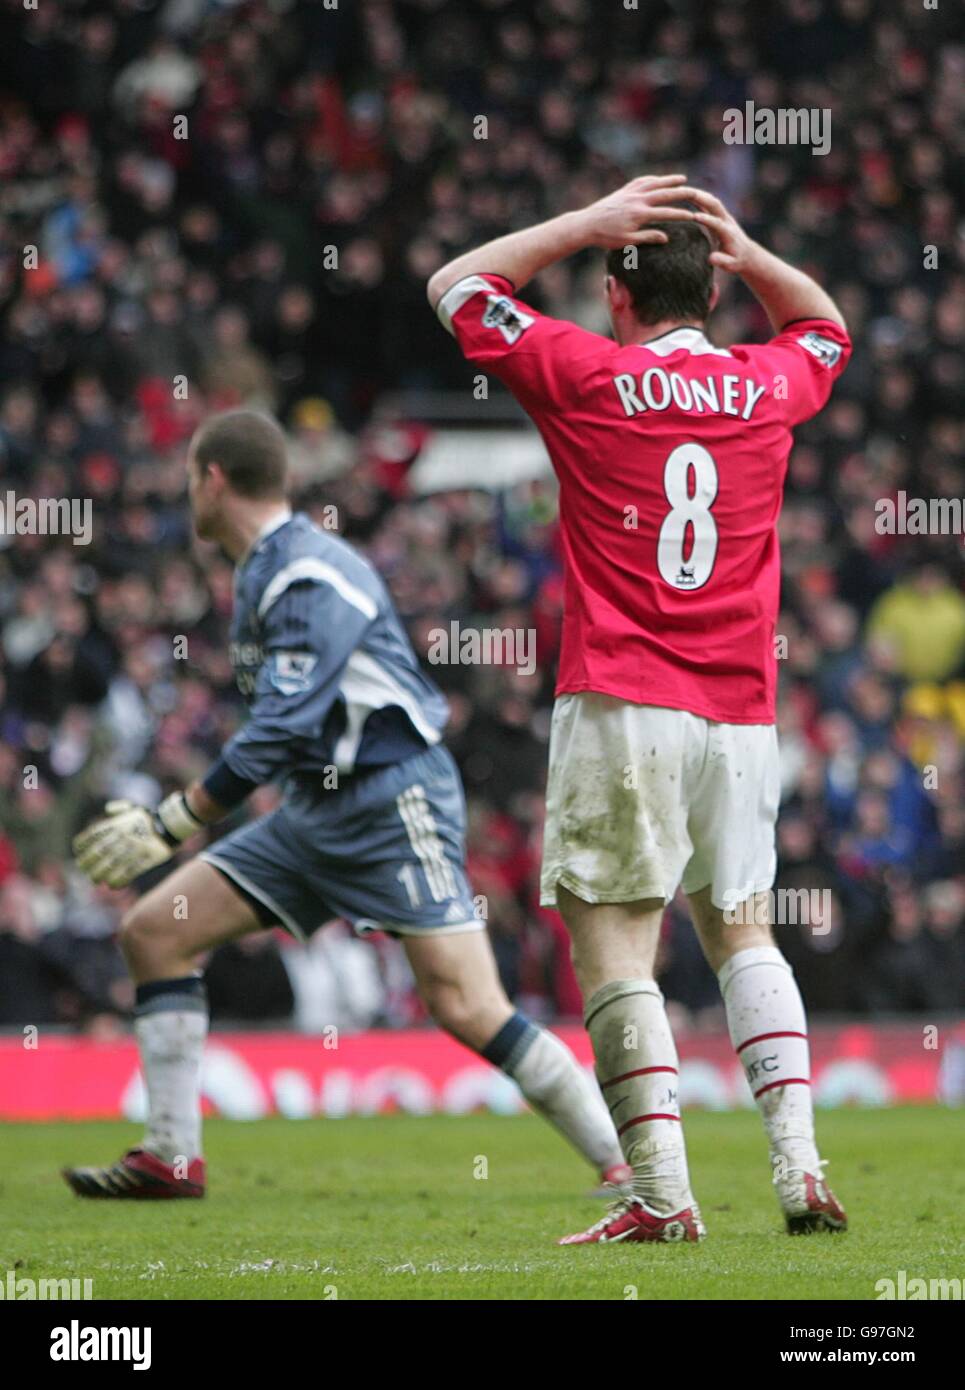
x: 804, y: 361
x: 786, y: 294
x: 811, y: 346
x: 309, y: 633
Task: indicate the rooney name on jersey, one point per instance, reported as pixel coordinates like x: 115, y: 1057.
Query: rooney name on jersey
x: 656, y: 389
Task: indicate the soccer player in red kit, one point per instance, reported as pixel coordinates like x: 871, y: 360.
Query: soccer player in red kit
x: 663, y: 765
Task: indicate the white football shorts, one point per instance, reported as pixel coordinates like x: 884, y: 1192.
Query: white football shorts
x: 641, y: 799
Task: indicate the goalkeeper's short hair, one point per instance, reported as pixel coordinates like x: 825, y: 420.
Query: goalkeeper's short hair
x: 251, y: 449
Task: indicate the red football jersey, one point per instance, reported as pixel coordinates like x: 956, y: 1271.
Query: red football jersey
x: 671, y: 456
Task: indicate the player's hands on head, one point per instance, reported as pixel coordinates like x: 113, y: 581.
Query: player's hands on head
x: 734, y: 248
x: 626, y: 217
x: 121, y: 845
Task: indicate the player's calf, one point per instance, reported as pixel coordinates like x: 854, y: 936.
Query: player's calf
x: 769, y: 1032
x: 636, y: 1059
x: 162, y: 936
x: 459, y: 982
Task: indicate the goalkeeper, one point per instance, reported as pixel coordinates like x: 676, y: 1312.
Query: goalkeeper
x: 371, y: 827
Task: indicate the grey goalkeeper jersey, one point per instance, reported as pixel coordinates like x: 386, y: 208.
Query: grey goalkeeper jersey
x: 323, y: 661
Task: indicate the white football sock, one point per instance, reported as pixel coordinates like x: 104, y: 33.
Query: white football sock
x: 768, y: 1028
x: 171, y: 1041
x: 636, y: 1063
x: 558, y: 1088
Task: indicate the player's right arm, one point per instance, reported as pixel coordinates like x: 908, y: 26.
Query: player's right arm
x: 786, y: 293
x: 541, y: 359
x: 622, y: 218
x: 312, y: 622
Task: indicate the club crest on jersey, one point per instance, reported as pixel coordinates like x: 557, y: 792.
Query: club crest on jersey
x: 291, y: 672
x: 503, y: 314
x: 823, y: 349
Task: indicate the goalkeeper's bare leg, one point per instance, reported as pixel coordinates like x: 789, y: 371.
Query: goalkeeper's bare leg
x: 163, y: 936
x: 456, y: 975
x: 459, y: 982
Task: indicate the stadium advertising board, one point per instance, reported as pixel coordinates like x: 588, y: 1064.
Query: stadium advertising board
x: 248, y: 1075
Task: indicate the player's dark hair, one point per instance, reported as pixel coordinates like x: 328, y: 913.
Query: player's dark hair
x: 251, y: 449
x: 667, y: 280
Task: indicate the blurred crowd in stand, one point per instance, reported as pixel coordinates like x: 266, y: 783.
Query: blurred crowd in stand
x: 206, y: 203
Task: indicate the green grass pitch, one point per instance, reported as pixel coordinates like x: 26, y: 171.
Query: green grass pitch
x: 396, y: 1208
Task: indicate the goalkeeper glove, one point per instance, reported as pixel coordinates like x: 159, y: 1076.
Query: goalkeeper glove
x: 129, y: 839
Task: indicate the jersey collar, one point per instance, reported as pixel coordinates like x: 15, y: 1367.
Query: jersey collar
x: 273, y: 524
x: 692, y: 340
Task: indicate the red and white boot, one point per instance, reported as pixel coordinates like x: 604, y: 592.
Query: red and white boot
x: 631, y: 1220
x: 808, y: 1203
x: 138, y: 1174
